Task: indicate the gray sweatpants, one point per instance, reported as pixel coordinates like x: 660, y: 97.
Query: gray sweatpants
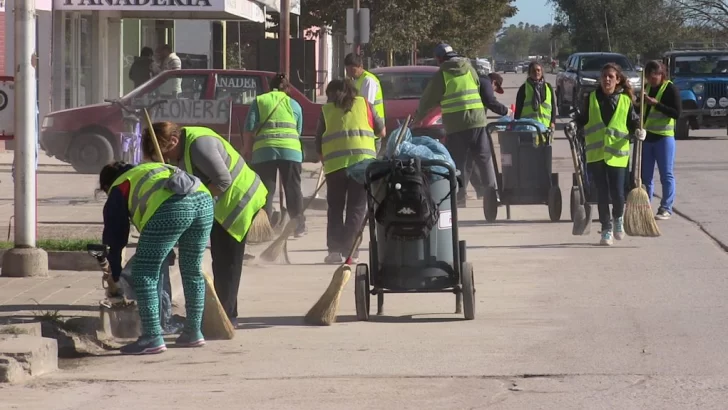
x: 475, y: 143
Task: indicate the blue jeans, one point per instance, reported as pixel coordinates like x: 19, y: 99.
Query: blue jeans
x: 661, y: 152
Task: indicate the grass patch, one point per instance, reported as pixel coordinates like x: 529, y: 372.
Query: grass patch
x: 13, y: 330
x: 56, y: 244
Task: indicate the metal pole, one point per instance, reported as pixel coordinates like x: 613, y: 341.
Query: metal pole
x: 25, y: 125
x: 357, y: 29
x: 284, y: 37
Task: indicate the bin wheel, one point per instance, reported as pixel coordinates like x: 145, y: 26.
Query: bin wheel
x: 361, y: 291
x: 490, y: 206
x: 555, y: 203
x: 468, y: 290
x: 574, y: 200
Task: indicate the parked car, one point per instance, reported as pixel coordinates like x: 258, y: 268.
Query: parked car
x: 402, y: 87
x: 509, y: 67
x: 702, y: 77
x: 581, y: 76
x: 90, y: 137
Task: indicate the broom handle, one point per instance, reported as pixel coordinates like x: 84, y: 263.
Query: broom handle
x: 638, y: 160
x: 153, y: 135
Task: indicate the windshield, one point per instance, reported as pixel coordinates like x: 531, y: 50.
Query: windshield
x: 701, y: 65
x: 403, y: 86
x: 595, y: 63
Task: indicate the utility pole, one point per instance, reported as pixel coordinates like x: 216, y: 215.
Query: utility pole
x: 25, y: 259
x: 284, y: 38
x: 356, y: 47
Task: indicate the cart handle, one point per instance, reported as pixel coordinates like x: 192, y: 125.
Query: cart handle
x: 378, y: 167
x: 491, y: 126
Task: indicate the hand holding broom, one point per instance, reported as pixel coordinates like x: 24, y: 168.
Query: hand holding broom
x: 638, y: 217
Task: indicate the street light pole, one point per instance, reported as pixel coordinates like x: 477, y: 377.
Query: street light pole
x: 284, y: 37
x: 25, y: 259
x: 357, y: 29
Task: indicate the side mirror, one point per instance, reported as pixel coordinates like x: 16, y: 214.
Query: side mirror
x: 639, y: 69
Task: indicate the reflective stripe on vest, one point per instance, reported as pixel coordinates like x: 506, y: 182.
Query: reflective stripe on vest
x: 657, y: 122
x: 246, y: 195
x: 280, y: 131
x: 608, y: 143
x: 147, y: 190
x: 543, y: 115
x: 348, y: 139
x: 379, y: 96
x: 461, y: 93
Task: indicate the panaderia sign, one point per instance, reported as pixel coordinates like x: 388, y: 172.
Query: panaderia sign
x: 179, y: 5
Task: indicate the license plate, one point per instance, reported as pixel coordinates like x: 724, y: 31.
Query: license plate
x: 718, y: 113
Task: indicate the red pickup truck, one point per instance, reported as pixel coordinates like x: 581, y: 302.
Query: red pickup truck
x: 90, y: 137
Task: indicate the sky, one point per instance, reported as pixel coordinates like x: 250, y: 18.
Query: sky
x: 531, y: 11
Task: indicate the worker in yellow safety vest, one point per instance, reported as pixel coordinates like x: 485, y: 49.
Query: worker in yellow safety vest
x: 608, y: 121
x: 456, y: 89
x: 663, y: 109
x: 167, y: 206
x: 239, y: 192
x: 535, y: 99
x: 367, y: 84
x: 346, y: 136
x: 272, y: 146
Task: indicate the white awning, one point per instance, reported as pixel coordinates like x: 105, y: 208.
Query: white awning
x: 170, y: 9
x: 275, y: 5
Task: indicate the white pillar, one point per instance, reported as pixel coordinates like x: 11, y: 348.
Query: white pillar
x: 114, y: 64
x: 45, y: 30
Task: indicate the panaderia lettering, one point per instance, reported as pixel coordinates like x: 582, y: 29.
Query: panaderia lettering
x: 151, y: 3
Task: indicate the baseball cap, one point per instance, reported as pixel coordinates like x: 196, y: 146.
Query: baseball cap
x: 444, y: 50
x: 497, y: 82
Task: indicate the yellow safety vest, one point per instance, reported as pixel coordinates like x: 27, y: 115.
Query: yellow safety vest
x: 543, y: 115
x: 236, y: 207
x: 657, y: 122
x: 461, y: 93
x: 608, y: 143
x: 379, y: 97
x: 147, y: 190
x: 280, y: 131
x: 348, y: 139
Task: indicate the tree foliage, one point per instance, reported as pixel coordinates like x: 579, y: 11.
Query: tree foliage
x: 706, y: 13
x: 518, y: 41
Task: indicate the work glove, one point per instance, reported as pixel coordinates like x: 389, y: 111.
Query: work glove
x: 640, y: 134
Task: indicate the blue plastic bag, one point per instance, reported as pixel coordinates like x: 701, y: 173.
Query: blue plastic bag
x: 524, y: 124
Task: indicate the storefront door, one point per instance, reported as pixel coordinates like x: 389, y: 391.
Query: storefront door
x: 78, y: 64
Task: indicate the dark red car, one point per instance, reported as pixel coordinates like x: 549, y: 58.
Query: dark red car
x: 90, y: 137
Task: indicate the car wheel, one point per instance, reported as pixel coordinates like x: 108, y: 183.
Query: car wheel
x: 682, y: 129
x: 89, y: 152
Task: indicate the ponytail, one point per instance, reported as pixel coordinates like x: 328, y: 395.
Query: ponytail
x: 279, y: 82
x: 342, y: 93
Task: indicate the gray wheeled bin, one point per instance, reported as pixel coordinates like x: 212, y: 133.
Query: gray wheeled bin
x: 526, y: 177
x: 430, y: 265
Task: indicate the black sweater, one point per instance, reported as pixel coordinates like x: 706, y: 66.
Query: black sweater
x: 670, y: 104
x: 521, y: 96
x: 607, y: 106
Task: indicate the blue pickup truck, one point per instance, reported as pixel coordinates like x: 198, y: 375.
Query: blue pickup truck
x: 702, y: 77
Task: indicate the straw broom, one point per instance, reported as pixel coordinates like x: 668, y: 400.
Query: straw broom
x: 638, y: 217
x: 215, y: 322
x: 323, y: 313
x: 278, y: 246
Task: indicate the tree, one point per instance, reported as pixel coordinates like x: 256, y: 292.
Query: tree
x: 707, y: 13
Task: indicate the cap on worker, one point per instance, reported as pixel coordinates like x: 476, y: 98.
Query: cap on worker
x: 497, y: 82
x: 444, y: 50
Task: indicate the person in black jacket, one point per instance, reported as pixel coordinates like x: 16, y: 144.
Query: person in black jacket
x: 663, y: 106
x: 541, y: 88
x: 489, y: 85
x: 606, y: 162
x: 141, y: 70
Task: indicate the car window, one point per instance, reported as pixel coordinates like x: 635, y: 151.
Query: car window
x: 701, y: 65
x: 403, y: 86
x: 595, y: 63
x: 242, y: 88
x: 176, y: 86
x: 572, y: 62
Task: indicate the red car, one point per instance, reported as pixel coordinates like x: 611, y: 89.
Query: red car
x: 89, y: 137
x: 402, y: 87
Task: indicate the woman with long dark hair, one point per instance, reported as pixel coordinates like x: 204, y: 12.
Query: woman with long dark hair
x: 535, y: 98
x: 662, y: 110
x: 609, y: 120
x: 346, y: 136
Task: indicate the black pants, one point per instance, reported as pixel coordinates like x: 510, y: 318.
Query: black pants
x: 343, y: 194
x: 474, y: 179
x: 291, y: 175
x: 609, y: 181
x: 227, y: 267
x: 473, y: 142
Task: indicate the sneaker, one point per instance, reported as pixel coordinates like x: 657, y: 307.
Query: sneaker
x: 300, y: 231
x: 607, y: 238
x: 190, y: 339
x: 619, y: 228
x: 663, y: 215
x: 145, y: 345
x: 334, y: 258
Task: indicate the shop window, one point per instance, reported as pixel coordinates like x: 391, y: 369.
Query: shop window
x: 186, y: 87
x: 241, y: 88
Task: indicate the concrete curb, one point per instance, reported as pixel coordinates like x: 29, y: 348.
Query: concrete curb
x: 24, y: 353
x: 68, y: 260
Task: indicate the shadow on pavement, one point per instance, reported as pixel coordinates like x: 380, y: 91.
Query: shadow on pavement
x: 250, y: 323
x: 479, y: 223
x: 551, y: 246
x: 406, y: 318
x: 40, y: 309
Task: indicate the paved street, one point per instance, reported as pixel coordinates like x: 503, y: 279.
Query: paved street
x: 561, y: 323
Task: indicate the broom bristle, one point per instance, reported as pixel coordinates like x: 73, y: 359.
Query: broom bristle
x: 260, y: 230
x: 278, y: 246
x: 323, y: 313
x: 215, y: 323
x: 638, y: 217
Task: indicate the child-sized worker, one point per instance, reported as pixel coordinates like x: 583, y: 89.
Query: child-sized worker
x: 609, y: 120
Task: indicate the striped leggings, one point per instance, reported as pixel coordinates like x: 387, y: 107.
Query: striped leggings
x: 186, y: 220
